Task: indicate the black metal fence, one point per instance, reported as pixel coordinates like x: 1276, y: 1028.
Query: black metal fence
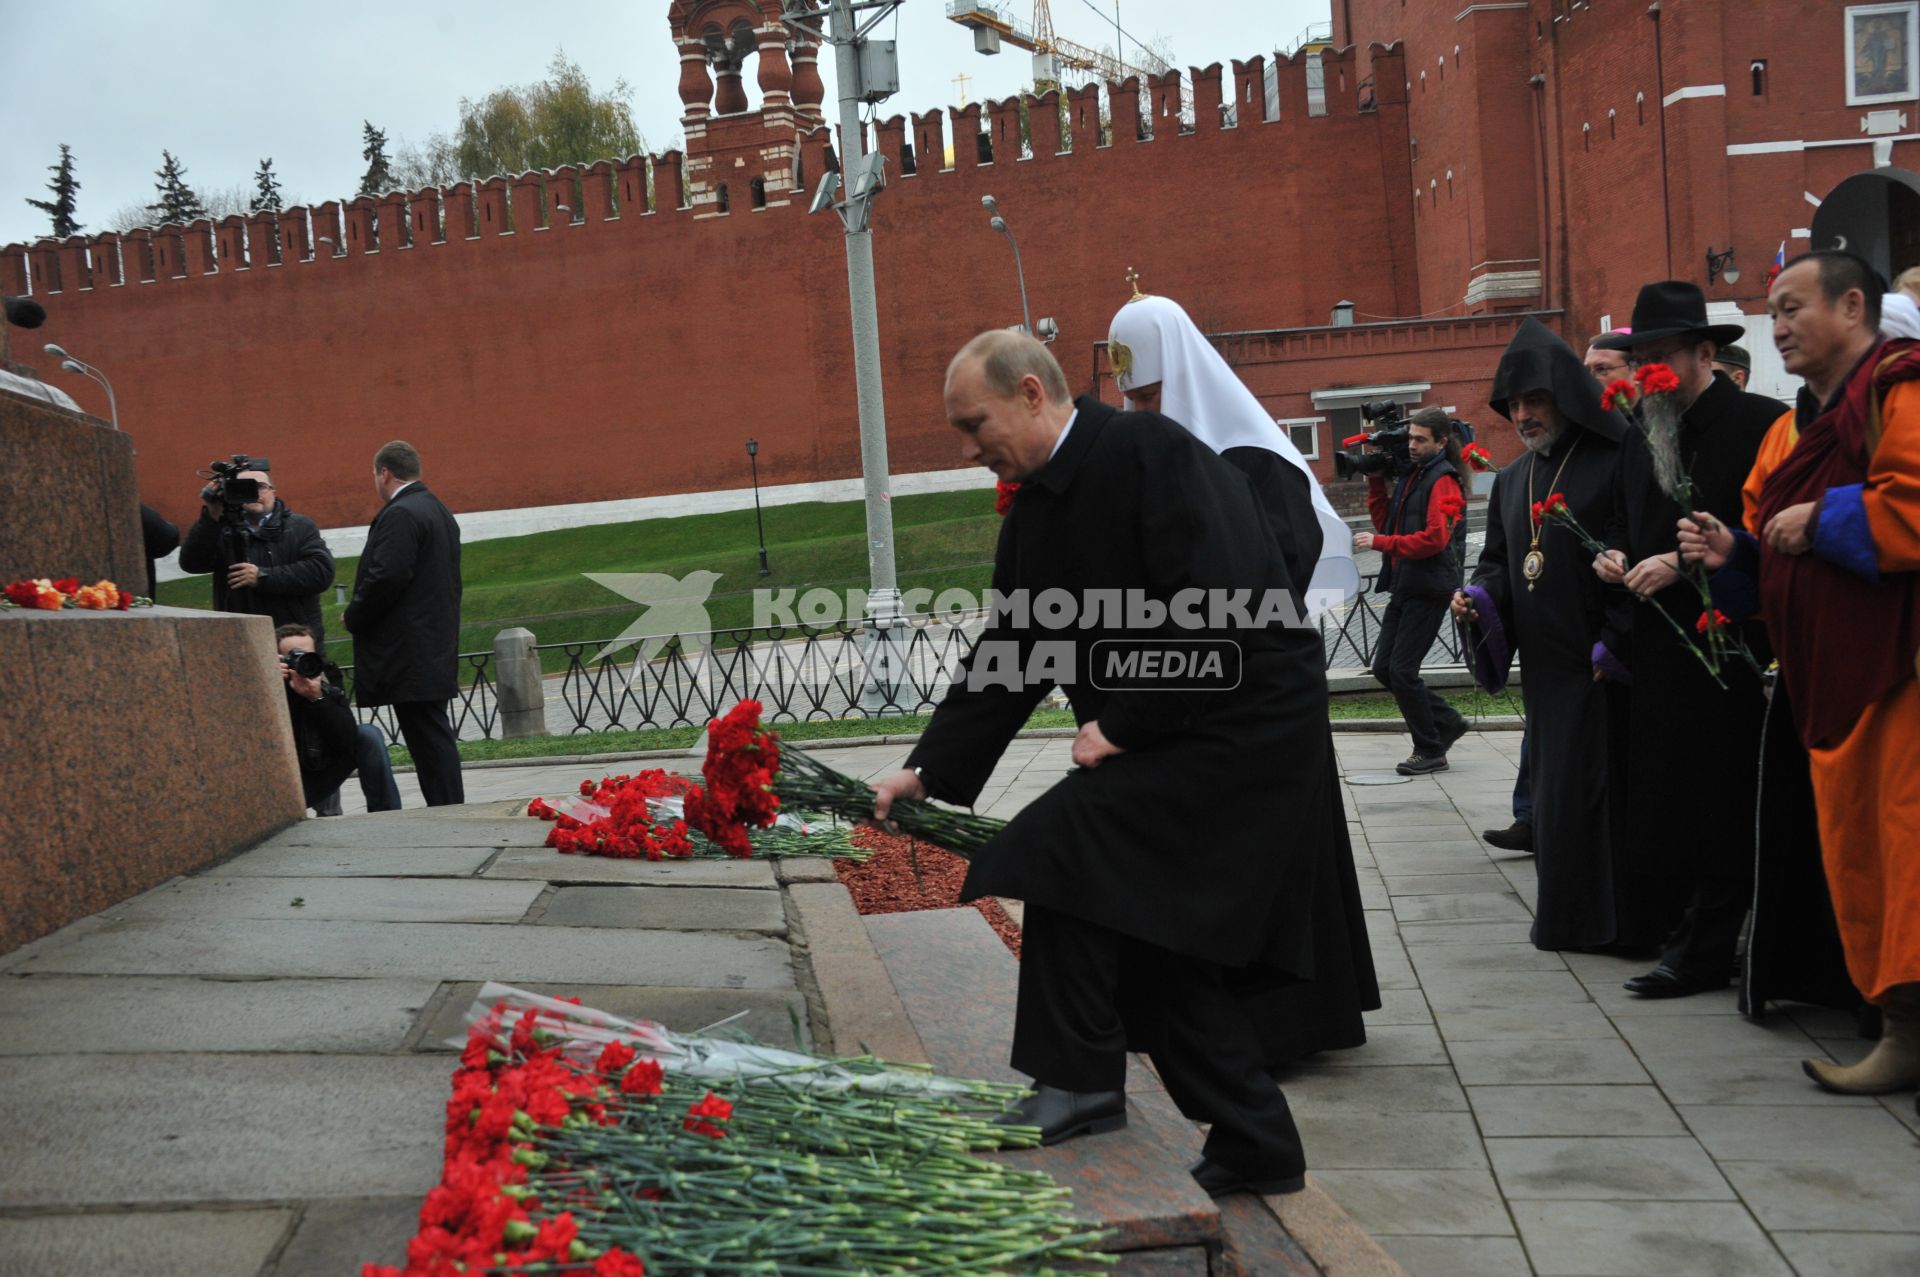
x: 798, y: 672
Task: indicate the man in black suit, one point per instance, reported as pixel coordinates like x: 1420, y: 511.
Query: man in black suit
x: 405, y: 619
x: 1154, y: 884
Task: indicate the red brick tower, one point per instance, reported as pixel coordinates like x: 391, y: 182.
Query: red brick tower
x: 738, y: 157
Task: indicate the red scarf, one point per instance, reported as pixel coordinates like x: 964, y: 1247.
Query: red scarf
x: 1843, y: 642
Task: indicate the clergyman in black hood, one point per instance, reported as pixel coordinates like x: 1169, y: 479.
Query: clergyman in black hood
x: 1534, y: 592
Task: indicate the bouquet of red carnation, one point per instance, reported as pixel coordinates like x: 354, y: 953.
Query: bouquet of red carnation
x: 626, y: 817
x: 749, y: 775
x: 743, y: 758
x: 1003, y: 494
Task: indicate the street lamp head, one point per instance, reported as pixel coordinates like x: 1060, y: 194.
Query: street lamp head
x: 72, y: 365
x: 753, y: 447
x: 999, y: 224
x: 55, y: 351
x: 987, y: 202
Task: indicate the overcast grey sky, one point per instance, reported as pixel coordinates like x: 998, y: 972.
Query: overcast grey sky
x: 223, y: 86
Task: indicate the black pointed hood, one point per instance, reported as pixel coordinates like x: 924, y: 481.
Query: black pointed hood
x: 1536, y: 359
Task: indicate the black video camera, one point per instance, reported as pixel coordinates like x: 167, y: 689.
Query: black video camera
x: 1390, y: 440
x: 234, y: 492
x: 304, y: 663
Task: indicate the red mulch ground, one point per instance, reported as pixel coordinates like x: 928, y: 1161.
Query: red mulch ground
x: 903, y: 875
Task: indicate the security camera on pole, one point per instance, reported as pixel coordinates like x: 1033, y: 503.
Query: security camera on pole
x: 865, y: 71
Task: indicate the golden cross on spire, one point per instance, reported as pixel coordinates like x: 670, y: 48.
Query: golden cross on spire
x: 962, y: 81
x: 1133, y: 278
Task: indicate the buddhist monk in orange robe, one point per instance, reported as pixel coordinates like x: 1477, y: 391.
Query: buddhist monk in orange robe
x: 1833, y: 546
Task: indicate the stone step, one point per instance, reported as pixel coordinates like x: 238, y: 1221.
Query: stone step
x: 957, y: 982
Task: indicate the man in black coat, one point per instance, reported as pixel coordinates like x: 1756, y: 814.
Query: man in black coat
x: 1699, y: 820
x: 273, y: 563
x: 405, y: 619
x: 1154, y: 885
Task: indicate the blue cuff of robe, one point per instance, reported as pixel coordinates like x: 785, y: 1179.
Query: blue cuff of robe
x: 1607, y: 663
x: 1487, y: 650
x: 1841, y: 535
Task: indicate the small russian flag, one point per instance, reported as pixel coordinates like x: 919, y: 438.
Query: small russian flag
x: 1779, y: 264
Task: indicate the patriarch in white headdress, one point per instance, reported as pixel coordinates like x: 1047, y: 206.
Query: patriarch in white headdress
x: 1164, y: 364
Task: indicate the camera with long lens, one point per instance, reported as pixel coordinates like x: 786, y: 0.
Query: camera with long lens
x: 304, y: 663
x: 234, y: 492
x: 1389, y: 440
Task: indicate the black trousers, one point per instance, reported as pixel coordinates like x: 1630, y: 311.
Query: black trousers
x: 1086, y: 990
x: 1407, y: 632
x: 1709, y: 935
x: 436, y: 753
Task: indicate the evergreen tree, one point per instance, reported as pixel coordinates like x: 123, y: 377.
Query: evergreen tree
x: 177, y: 202
x: 379, y: 178
x: 266, y: 195
x: 60, y: 208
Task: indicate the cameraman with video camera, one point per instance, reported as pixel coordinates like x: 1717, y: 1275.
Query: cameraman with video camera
x: 266, y: 560
x: 1422, y: 540
x: 330, y: 742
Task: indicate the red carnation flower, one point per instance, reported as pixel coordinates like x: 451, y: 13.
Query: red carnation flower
x: 1618, y: 394
x: 618, y: 1263
x: 614, y: 1057
x: 1539, y: 513
x: 23, y: 593
x: 1557, y: 504
x: 644, y: 1077
x: 703, y: 1117
x: 1656, y: 379
x: 68, y: 585
x: 1003, y: 493
x: 1714, y: 620
x: 1477, y: 458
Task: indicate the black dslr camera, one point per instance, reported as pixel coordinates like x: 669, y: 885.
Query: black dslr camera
x: 235, y: 493
x: 1390, y: 439
x: 304, y: 663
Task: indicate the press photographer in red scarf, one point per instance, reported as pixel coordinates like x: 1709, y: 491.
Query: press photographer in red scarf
x: 1833, y: 542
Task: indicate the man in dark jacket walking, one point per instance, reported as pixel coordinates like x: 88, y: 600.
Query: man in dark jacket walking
x: 405, y: 619
x: 274, y: 563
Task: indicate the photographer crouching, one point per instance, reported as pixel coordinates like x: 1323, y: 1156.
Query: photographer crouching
x: 1422, y: 539
x: 266, y: 560
x: 330, y: 743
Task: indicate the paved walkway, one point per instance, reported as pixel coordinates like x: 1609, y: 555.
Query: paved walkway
x: 1517, y: 1112
x: 239, y: 1072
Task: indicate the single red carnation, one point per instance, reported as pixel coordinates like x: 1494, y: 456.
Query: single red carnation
x: 1656, y: 379
x: 67, y: 585
x: 1003, y: 494
x: 644, y: 1077
x: 618, y: 1263
x: 703, y: 1118
x: 613, y: 1057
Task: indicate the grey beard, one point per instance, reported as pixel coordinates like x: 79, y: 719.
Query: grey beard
x: 1544, y: 441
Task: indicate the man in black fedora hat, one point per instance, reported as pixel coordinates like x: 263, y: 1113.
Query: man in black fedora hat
x: 1699, y: 819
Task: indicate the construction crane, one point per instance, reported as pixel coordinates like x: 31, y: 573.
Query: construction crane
x: 992, y: 23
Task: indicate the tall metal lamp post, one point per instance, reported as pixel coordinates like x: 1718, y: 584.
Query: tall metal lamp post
x: 999, y: 223
x: 1048, y: 329
x: 753, y: 459
x: 70, y: 364
x: 866, y: 73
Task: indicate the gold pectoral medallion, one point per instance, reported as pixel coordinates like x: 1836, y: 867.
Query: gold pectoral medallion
x: 1533, y: 567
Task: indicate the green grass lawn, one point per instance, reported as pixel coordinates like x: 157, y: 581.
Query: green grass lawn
x: 941, y: 540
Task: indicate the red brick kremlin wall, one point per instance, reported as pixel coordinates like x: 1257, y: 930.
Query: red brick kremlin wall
x: 632, y: 356
x: 1539, y: 157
